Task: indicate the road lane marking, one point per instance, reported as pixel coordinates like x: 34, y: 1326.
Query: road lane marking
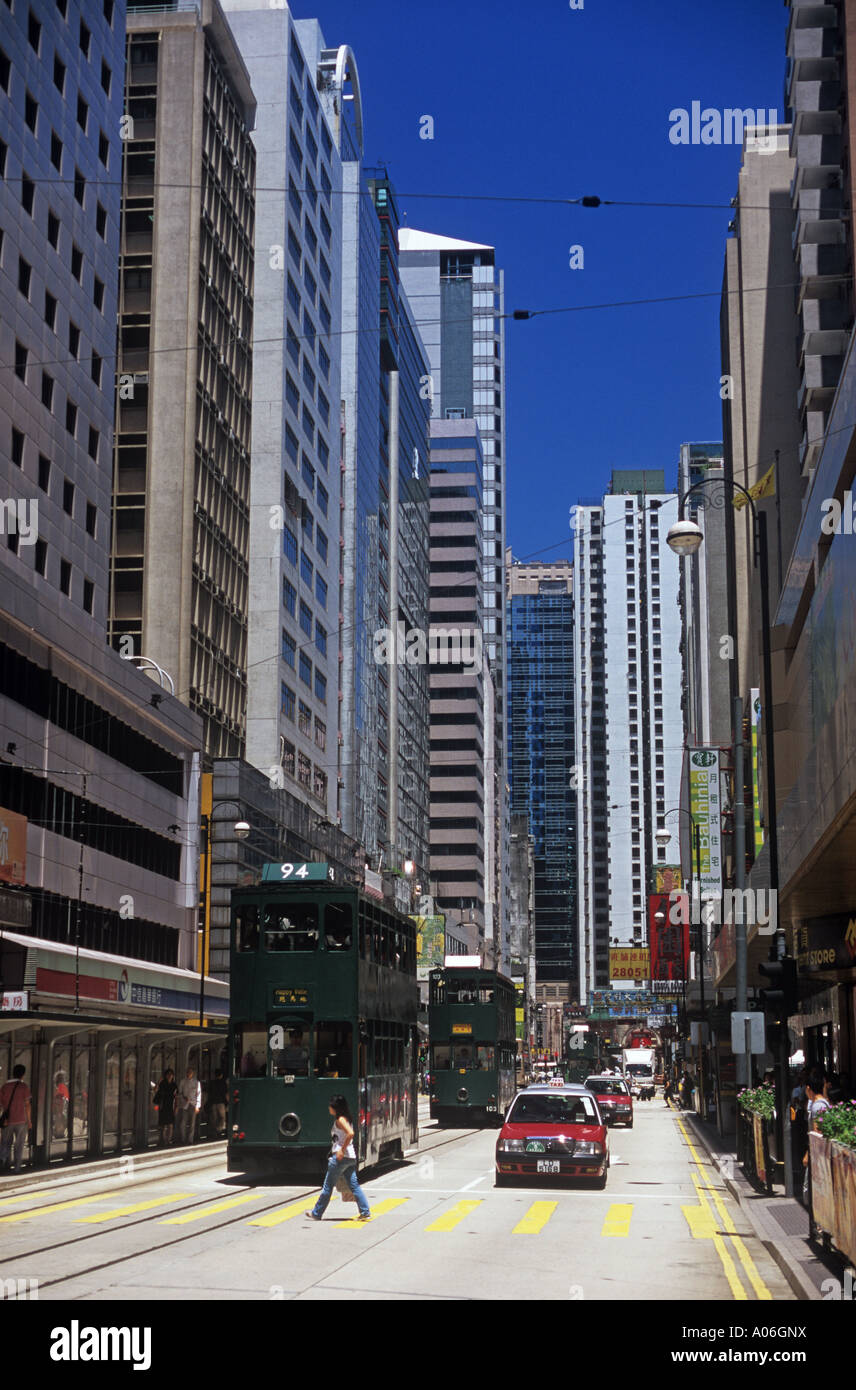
x: 618, y: 1219
x: 380, y: 1210
x: 138, y: 1206
x: 22, y: 1197
x: 535, y: 1219
x: 189, y: 1216
x: 703, y: 1227
x: 749, y: 1266
x: 454, y: 1216
x: 58, y: 1206
x: 475, y: 1182
x: 276, y: 1218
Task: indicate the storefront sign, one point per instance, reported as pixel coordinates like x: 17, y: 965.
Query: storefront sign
x: 757, y: 805
x: 668, y: 935
x: 706, y: 809
x: 667, y: 878
x: 16, y: 1001
x: 826, y: 944
x: 629, y: 963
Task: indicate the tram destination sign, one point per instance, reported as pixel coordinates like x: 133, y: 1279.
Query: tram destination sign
x: 298, y: 873
x: 291, y: 996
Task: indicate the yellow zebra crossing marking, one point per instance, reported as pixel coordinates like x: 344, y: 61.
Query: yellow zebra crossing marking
x: 22, y: 1197
x: 189, y: 1216
x: 454, y: 1216
x: 535, y: 1219
x: 276, y: 1218
x: 380, y: 1210
x: 618, y: 1219
x: 129, y: 1211
x: 57, y: 1206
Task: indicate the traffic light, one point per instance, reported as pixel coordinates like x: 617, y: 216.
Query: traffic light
x: 780, y: 1000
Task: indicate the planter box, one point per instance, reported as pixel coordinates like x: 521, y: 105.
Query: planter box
x: 844, y: 1193
x: 758, y: 1141
x: 822, y: 1196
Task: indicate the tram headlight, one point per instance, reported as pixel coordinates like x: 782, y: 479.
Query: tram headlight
x: 463, y: 1094
x: 289, y: 1125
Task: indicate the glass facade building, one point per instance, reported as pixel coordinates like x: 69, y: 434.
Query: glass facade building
x: 541, y: 751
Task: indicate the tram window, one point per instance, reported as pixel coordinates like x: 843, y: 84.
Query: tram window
x: 291, y: 927
x: 463, y: 994
x: 464, y: 1056
x: 250, y: 1049
x: 485, y: 1060
x: 438, y: 990
x: 247, y: 927
x: 364, y: 936
x: 338, y: 926
x: 441, y: 1057
x: 486, y: 996
x: 334, y: 1049
x: 289, y: 1053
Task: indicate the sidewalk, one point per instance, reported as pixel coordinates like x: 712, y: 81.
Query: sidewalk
x: 124, y: 1165
x: 780, y: 1223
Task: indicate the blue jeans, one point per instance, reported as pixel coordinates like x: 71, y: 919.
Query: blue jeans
x: 335, y: 1170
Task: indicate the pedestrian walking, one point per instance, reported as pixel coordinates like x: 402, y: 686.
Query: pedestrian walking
x: 189, y: 1103
x: 16, y: 1119
x: 817, y: 1104
x: 342, y: 1163
x: 217, y: 1105
x: 164, y: 1102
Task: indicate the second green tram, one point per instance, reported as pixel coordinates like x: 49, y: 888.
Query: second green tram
x: 323, y: 1002
x: 471, y: 1029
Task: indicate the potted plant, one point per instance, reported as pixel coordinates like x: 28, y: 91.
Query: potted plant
x: 837, y: 1126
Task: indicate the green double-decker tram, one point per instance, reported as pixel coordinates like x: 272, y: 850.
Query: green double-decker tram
x: 471, y: 1030
x: 323, y: 1002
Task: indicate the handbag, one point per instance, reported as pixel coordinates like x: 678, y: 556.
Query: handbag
x: 344, y: 1188
x: 4, y: 1114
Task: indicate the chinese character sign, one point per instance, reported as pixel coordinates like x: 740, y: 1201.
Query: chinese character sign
x: 706, y: 809
x: 668, y: 935
x: 629, y: 963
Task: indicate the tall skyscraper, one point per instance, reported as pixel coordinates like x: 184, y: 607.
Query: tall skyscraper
x: 457, y: 293
x: 296, y: 587
x: 385, y: 699
x: 707, y: 640
x: 99, y: 769
x: 628, y: 721
x: 180, y: 566
x: 542, y: 751
x: 461, y: 792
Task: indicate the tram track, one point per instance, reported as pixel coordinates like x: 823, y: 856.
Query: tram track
x: 85, y: 1237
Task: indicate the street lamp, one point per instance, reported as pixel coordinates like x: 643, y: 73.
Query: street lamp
x: 240, y: 829
x: 685, y: 538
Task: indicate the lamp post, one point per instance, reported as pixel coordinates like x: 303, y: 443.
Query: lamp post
x: 662, y: 836
x: 242, y: 829
x: 685, y: 538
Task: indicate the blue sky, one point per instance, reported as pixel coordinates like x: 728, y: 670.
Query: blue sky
x: 538, y: 100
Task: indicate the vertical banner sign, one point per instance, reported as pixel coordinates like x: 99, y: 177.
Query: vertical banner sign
x: 706, y: 808
x: 13, y: 847
x: 668, y: 935
x: 757, y: 809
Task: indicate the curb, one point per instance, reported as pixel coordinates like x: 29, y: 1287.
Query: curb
x: 775, y: 1243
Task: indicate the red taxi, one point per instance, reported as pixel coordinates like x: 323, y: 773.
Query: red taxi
x: 613, y: 1097
x: 554, y: 1131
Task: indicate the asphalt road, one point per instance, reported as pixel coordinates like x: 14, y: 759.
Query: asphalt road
x: 664, y: 1228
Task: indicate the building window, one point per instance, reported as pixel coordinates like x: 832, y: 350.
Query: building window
x: 24, y: 273
x: 98, y: 294
x: 85, y: 37
x: 17, y: 447
x: 103, y: 149
x: 68, y: 497
x: 321, y: 638
x: 106, y: 77
x: 289, y: 544
x: 91, y: 517
x: 47, y: 390
x: 304, y: 770
x: 321, y: 590
x: 79, y: 186
x: 320, y: 733
x: 59, y: 75
x: 53, y: 230
x: 21, y: 355
x: 41, y: 557
x: 289, y: 595
x: 287, y: 700
x: 305, y: 669
x: 95, y: 368
x: 320, y: 685
x: 101, y: 221
x: 77, y: 263
x: 65, y: 577
x: 74, y: 340
x: 306, y: 618
x: 304, y: 718
x: 71, y: 417
x: 56, y: 152
x: 44, y: 472
x: 305, y: 568
x: 320, y: 786
x: 88, y: 595
x: 289, y: 647
x: 28, y: 189
x: 321, y: 543
x: 31, y: 112
x: 92, y: 449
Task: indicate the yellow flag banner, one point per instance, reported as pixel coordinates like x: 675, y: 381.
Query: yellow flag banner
x: 765, y: 487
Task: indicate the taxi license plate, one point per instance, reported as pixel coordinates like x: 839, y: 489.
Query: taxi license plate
x: 547, y: 1165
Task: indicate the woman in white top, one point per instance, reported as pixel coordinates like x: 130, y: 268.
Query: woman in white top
x: 342, y: 1161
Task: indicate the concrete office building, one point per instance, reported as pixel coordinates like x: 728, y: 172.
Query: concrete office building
x: 86, y: 743
x: 461, y: 799
x: 707, y: 651
x: 182, y: 469
x: 628, y: 721
x: 457, y: 294
x: 296, y: 578
x: 541, y: 750
x: 821, y: 52
x: 385, y: 697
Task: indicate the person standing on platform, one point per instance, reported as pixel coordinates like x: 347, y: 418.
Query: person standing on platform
x: 17, y: 1119
x: 189, y: 1105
